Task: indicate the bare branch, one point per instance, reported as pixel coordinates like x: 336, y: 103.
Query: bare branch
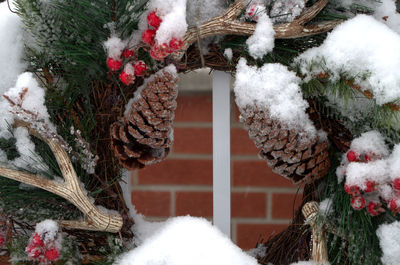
x: 71, y: 190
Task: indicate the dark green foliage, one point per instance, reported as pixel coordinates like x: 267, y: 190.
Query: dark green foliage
x: 8, y: 146
x: 354, y: 240
x: 357, y: 112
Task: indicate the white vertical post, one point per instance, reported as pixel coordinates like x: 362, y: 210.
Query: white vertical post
x: 221, y: 152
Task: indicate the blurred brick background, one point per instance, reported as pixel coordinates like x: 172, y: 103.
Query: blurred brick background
x: 263, y: 203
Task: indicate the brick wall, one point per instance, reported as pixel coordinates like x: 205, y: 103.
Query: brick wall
x: 262, y: 202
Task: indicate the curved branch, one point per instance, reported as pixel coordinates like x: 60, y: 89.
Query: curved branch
x: 226, y: 24
x: 70, y: 190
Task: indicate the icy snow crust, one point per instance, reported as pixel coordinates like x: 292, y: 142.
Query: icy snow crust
x: 187, y: 241
x: 361, y: 46
x: 11, y: 47
x: 274, y: 88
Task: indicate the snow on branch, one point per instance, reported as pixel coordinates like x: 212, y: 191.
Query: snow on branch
x: 361, y: 48
x: 26, y: 104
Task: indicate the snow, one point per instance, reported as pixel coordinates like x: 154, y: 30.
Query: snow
x: 114, y: 47
x: 385, y: 11
x: 200, y: 11
x: 325, y: 207
x: 258, y: 252
x: 370, y: 142
x: 394, y: 162
x: 173, y: 15
x: 48, y: 230
x: 305, y: 263
x: 377, y: 170
x: 276, y: 89
x: 262, y: 40
x: 389, y: 241
x: 286, y: 10
x: 11, y: 47
x: 228, y: 54
x: 357, y: 173
x: 187, y: 241
x: 382, y: 168
x: 363, y: 48
x: 34, y: 99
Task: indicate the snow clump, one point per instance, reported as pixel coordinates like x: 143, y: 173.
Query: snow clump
x: 187, y: 240
x: 275, y: 89
x: 363, y: 48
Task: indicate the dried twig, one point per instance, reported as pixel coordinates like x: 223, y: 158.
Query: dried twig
x: 319, y: 249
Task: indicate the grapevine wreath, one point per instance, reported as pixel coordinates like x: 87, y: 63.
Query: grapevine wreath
x: 89, y: 88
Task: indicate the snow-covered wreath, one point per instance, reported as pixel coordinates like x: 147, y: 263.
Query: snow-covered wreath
x: 86, y: 93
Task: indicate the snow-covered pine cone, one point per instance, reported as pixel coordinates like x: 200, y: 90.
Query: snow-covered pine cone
x: 288, y: 152
x: 145, y: 136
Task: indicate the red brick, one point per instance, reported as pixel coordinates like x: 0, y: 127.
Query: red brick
x: 257, y: 173
x: 177, y: 171
x: 193, y: 140
x: 241, y: 143
x: 194, y: 203
x: 194, y: 108
x: 236, y: 112
x: 152, y: 203
x: 248, y: 235
x: 285, y: 205
x: 248, y: 204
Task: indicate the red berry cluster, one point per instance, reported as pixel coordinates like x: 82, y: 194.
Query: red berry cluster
x: 360, y: 198
x: 127, y: 77
x: 44, y: 253
x: 158, y: 51
x: 130, y: 72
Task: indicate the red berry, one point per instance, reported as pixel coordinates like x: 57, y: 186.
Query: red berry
x: 140, y: 68
x: 358, y: 203
x: 367, y: 158
x: 159, y: 52
x: 148, y: 36
x: 396, y: 183
x: 175, y: 44
x: 154, y: 20
x: 113, y: 64
x: 127, y: 79
x: 352, y: 156
x: 34, y: 251
x: 52, y: 254
x: 370, y: 186
x: 352, y: 190
x: 374, y: 208
x: 37, y: 241
x: 393, y: 205
x: 127, y: 53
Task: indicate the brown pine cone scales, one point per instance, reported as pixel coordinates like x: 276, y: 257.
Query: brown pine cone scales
x: 288, y: 152
x: 145, y: 135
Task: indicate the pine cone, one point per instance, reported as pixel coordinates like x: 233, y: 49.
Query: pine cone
x: 287, y: 151
x: 145, y: 136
